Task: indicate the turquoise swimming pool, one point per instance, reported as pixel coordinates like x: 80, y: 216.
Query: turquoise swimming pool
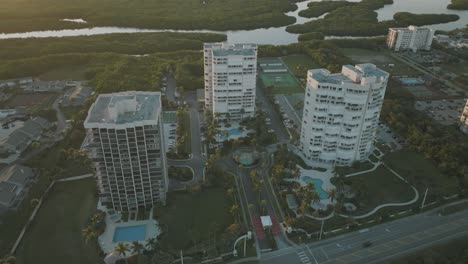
x: 129, y: 233
x: 225, y: 134
x: 411, y: 81
x: 318, y: 183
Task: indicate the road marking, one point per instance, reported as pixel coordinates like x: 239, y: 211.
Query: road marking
x: 324, y: 252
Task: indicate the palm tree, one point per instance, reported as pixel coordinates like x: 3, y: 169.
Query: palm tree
x: 34, y: 202
x: 137, y: 247
x: 332, y: 194
x: 151, y: 245
x: 88, y: 234
x: 122, y: 249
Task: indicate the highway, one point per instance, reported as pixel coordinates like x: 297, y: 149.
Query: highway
x: 389, y: 240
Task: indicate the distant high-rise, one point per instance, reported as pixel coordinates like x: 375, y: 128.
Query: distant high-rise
x: 411, y: 38
x: 125, y: 145
x: 230, y: 79
x: 464, y: 119
x: 341, y: 113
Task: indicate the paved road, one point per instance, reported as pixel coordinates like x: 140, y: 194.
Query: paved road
x: 170, y: 88
x: 276, y: 123
x: 389, y: 240
x: 196, y: 161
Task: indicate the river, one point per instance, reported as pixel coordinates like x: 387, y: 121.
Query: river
x: 275, y: 36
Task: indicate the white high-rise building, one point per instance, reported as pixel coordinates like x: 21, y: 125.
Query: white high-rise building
x: 411, y: 38
x: 124, y: 134
x: 341, y: 113
x: 230, y: 79
x: 464, y: 119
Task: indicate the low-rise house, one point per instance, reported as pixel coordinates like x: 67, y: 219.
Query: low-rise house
x: 20, y: 139
x: 76, y: 96
x: 13, y: 181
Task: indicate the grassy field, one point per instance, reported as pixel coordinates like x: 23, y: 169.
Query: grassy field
x: 28, y: 15
x: 189, y: 219
x: 421, y: 172
x: 299, y: 64
x: 379, y: 58
x: 55, y: 235
x: 371, y: 194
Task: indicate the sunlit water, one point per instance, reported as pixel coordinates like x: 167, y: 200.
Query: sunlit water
x: 275, y: 36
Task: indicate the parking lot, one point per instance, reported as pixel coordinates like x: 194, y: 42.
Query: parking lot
x: 169, y: 129
x: 386, y: 136
x: 291, y: 110
x: 445, y: 112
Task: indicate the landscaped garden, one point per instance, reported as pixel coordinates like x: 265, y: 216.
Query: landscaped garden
x: 55, y: 235
x: 180, y: 173
x: 378, y: 187
x: 422, y: 173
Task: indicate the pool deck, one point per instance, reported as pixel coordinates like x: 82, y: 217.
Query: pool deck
x: 234, y: 125
x: 327, y: 185
x: 106, y: 240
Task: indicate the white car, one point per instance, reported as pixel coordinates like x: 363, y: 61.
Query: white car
x: 270, y: 131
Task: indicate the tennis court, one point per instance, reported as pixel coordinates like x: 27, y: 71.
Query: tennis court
x: 276, y: 76
x: 419, y: 91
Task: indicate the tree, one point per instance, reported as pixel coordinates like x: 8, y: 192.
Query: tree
x: 137, y: 247
x: 332, y: 194
x: 122, y: 249
x: 263, y: 204
x: 234, y: 210
x: 89, y: 234
x: 34, y: 202
x: 234, y: 228
x: 151, y: 245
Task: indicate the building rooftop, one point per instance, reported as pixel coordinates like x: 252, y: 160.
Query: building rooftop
x: 16, y: 174
x: 125, y: 107
x: 228, y: 52
x: 360, y: 70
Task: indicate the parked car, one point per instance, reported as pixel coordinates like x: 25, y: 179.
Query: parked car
x: 172, y: 137
x: 173, y: 125
x: 366, y: 244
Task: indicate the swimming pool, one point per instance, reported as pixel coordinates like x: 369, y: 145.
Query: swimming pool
x: 409, y: 81
x: 318, y: 183
x: 230, y: 132
x: 129, y: 233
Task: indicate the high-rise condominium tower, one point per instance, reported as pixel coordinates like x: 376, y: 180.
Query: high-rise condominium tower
x: 411, y: 38
x: 341, y: 113
x: 230, y: 79
x: 125, y: 145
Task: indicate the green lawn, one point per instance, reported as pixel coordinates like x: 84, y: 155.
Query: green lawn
x: 180, y: 173
x: 299, y: 64
x: 195, y: 217
x: 55, y: 235
x: 379, y: 187
x: 380, y: 58
x: 421, y: 172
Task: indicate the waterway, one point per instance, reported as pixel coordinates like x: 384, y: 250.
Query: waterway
x: 275, y: 36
